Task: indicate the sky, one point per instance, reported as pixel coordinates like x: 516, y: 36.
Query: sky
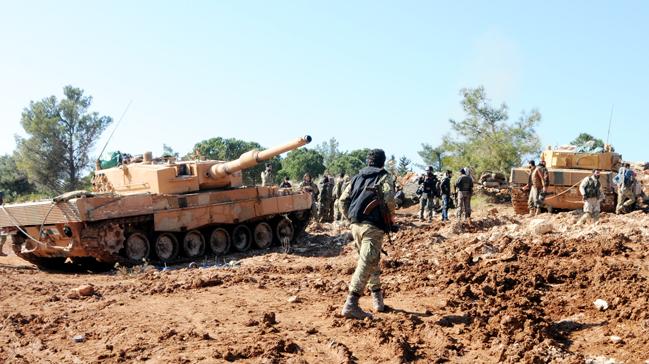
x: 383, y: 74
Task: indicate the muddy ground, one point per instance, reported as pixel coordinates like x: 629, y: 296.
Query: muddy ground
x: 496, y: 291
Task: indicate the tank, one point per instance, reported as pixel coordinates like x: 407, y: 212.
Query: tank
x: 162, y: 212
x: 567, y: 169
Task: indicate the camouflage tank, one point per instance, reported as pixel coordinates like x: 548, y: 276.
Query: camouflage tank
x: 567, y: 169
x: 160, y: 212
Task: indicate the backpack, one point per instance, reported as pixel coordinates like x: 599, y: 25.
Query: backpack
x: 364, y: 191
x: 628, y: 178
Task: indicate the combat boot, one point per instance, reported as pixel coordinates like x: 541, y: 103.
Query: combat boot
x: 377, y: 300
x: 352, y: 310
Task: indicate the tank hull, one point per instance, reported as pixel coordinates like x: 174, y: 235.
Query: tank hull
x: 563, y: 190
x: 108, y: 228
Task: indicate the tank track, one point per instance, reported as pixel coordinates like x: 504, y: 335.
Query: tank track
x: 103, y: 255
x: 519, y: 201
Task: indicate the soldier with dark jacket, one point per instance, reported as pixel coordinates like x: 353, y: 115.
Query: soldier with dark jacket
x: 540, y: 182
x: 464, y: 190
x: 445, y: 191
x: 428, y: 188
x: 368, y: 202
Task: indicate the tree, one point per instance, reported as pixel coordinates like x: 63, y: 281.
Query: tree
x: 588, y: 143
x: 168, y: 151
x: 62, y: 133
x: 404, y: 166
x: 301, y: 161
x: 347, y: 163
x: 485, y: 139
x: 13, y: 182
x: 230, y: 149
x: 329, y: 151
x: 433, y: 157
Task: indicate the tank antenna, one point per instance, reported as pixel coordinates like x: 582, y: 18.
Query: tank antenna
x: 115, y: 128
x: 610, y: 121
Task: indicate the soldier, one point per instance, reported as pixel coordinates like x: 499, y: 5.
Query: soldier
x: 625, y: 194
x: 267, y: 175
x: 3, y: 239
x: 308, y: 185
x: 528, y: 187
x: 540, y: 181
x: 325, y: 200
x: 445, y: 191
x: 338, y: 190
x: 464, y: 190
x: 428, y: 193
x: 368, y: 202
x: 399, y: 196
x: 591, y: 192
x: 286, y: 183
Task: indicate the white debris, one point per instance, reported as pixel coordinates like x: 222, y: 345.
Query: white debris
x: 600, y: 360
x: 294, y: 299
x: 541, y: 226
x: 600, y: 304
x: 615, y: 339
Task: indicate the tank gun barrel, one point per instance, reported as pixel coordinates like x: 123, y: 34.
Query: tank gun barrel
x: 253, y: 157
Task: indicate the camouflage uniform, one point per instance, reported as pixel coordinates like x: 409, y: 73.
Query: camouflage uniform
x: 540, y: 181
x: 368, y: 240
x: 325, y: 201
x: 3, y: 239
x: 339, y: 187
x: 591, y: 190
x: 625, y: 194
x: 309, y: 186
x: 464, y: 189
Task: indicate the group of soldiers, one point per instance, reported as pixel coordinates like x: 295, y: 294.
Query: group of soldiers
x: 434, y: 192
x: 629, y: 191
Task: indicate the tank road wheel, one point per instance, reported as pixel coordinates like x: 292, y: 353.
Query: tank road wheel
x: 137, y: 247
x: 166, y: 247
x: 241, y: 238
x: 219, y: 241
x: 263, y: 235
x: 284, y: 231
x: 193, y: 244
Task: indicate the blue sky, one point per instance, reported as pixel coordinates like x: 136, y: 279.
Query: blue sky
x: 369, y: 73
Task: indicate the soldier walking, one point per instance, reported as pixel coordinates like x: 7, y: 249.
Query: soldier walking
x: 591, y: 192
x: 368, y: 202
x: 428, y: 186
x: 464, y: 190
x: 324, y: 211
x: 625, y: 180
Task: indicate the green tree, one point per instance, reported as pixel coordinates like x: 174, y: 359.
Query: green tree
x: 61, y: 134
x: 485, y: 139
x: 329, y: 151
x: 588, y: 143
x: 347, y: 163
x: 432, y: 157
x: 13, y: 182
x: 168, y: 151
x: 301, y: 161
x: 404, y: 166
x: 231, y: 148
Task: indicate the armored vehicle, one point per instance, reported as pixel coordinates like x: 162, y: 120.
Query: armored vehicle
x: 160, y: 212
x: 567, y: 169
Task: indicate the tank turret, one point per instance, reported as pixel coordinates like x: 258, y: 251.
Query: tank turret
x: 185, y: 176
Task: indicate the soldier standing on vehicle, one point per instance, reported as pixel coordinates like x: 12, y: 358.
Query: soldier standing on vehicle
x: 445, y: 191
x: 625, y: 194
x: 267, y: 175
x: 591, y: 192
x: 368, y: 202
x: 428, y: 186
x: 286, y: 183
x: 464, y: 190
